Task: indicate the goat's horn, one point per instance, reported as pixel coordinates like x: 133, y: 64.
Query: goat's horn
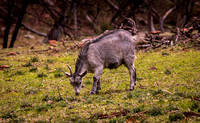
x: 67, y: 74
x: 131, y: 21
x: 70, y: 70
x: 134, y: 28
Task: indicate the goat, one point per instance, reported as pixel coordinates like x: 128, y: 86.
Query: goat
x: 109, y: 50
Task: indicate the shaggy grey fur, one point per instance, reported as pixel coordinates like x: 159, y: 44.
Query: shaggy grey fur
x: 109, y: 50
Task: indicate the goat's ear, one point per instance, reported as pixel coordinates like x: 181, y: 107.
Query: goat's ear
x: 67, y: 74
x: 83, y: 74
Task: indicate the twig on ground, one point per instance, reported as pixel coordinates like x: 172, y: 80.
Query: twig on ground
x: 167, y: 91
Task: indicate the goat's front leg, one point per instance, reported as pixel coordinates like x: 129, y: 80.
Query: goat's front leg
x: 96, y: 80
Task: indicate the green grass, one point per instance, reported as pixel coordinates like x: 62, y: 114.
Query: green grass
x: 34, y: 89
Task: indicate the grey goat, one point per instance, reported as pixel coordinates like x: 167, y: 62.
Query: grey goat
x: 109, y: 50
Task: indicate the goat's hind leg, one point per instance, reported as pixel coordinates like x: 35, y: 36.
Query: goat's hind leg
x: 132, y: 72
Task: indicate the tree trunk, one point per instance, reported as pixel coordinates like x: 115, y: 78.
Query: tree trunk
x: 55, y: 33
x: 8, y: 24
x: 94, y: 26
x: 118, y: 13
x: 21, y: 16
x: 74, y: 11
x: 186, y: 17
x: 150, y: 18
x: 184, y: 8
x: 58, y: 27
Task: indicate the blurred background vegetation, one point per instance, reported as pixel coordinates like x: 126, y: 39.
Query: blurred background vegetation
x: 38, y: 21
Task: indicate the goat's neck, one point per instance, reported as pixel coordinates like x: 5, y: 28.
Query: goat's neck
x: 81, y: 68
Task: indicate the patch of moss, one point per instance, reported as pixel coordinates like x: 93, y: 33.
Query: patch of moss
x: 155, y: 111
x: 195, y: 105
x: 176, y: 117
x: 8, y: 114
x: 34, y: 59
x: 28, y: 64
x: 58, y: 75
x: 167, y: 72
x: 33, y: 69
x: 40, y: 75
x: 50, y: 60
x: 41, y: 96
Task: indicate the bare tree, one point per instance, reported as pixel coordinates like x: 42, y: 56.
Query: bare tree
x: 8, y: 23
x: 184, y: 9
x: 59, y: 22
x: 74, y: 11
x: 18, y: 25
x: 150, y: 16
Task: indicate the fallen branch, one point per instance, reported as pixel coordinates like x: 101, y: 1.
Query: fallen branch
x: 133, y: 118
x: 112, y: 5
x: 33, y: 31
x: 114, y: 114
x: 184, y: 42
x: 63, y: 43
x: 191, y: 114
x: 143, y: 46
x: 167, y: 91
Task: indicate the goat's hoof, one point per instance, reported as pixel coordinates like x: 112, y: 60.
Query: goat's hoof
x: 131, y: 89
x: 97, y: 91
x: 91, y: 92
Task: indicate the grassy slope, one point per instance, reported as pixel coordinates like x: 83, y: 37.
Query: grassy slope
x: 161, y: 94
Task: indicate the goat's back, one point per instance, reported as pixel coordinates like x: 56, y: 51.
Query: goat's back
x: 111, y: 49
